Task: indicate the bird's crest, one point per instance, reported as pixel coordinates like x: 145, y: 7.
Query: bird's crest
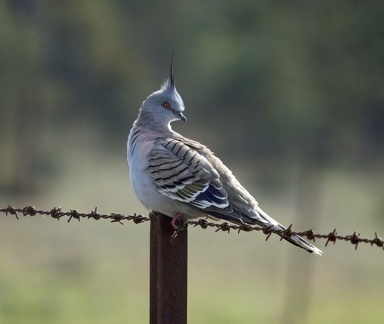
x: 169, y: 83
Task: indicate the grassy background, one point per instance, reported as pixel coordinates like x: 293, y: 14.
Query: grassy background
x: 98, y: 272
x: 288, y: 94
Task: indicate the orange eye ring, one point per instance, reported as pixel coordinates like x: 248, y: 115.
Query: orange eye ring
x: 166, y: 105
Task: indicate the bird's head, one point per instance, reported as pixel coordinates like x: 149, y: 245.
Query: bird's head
x: 163, y: 106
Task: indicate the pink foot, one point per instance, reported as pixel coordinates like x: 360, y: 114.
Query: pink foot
x: 175, y: 219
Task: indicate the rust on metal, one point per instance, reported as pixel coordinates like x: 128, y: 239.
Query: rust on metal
x: 57, y: 213
x: 168, y: 272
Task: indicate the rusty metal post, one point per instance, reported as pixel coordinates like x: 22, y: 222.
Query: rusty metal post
x: 168, y: 272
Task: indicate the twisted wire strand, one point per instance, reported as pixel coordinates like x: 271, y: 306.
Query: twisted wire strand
x: 332, y: 237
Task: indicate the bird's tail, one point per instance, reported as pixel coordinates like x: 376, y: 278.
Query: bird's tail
x: 263, y: 220
x: 300, y: 242
x: 294, y: 239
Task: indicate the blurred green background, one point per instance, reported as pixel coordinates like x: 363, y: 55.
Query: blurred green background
x: 288, y: 94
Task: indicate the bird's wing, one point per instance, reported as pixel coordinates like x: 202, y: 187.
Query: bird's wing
x: 182, y: 174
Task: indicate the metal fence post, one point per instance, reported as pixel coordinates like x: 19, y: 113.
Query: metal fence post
x: 168, y: 272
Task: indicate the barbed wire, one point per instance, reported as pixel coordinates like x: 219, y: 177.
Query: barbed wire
x: 57, y: 213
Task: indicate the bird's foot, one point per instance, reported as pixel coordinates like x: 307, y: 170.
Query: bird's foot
x: 177, y: 221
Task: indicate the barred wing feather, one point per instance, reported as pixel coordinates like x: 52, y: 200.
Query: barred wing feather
x: 181, y: 173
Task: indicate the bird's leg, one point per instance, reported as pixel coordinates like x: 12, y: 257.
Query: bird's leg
x: 178, y: 217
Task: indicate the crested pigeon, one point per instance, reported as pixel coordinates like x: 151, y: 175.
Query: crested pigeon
x: 179, y: 177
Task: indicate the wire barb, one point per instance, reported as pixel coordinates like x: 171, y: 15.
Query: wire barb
x: 57, y: 213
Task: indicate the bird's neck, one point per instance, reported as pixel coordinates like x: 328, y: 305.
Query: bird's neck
x: 147, y: 122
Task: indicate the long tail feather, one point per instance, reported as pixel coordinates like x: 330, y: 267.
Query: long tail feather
x: 302, y: 243
x: 295, y: 239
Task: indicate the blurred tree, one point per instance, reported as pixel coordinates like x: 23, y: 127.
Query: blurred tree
x: 283, y: 71
x: 22, y: 56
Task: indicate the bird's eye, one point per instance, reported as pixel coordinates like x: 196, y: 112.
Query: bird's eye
x: 166, y: 105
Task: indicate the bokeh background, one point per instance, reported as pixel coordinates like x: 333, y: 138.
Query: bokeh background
x: 288, y: 94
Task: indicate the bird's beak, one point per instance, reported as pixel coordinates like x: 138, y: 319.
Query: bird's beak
x: 182, y: 117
